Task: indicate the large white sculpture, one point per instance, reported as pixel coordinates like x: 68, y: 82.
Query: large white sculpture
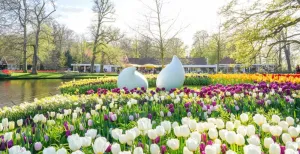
x: 172, y: 76
x: 130, y: 78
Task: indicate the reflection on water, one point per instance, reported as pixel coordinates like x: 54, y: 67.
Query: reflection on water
x: 18, y: 91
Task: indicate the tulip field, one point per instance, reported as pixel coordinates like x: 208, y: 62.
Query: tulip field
x: 229, y: 114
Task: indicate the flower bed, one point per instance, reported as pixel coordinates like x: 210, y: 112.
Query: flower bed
x: 81, y: 86
x: 5, y: 73
x: 241, y: 118
x: 250, y: 78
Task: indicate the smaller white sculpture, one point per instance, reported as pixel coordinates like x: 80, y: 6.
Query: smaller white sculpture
x: 172, y: 76
x: 130, y: 78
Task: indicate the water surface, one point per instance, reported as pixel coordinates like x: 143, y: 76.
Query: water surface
x: 18, y: 91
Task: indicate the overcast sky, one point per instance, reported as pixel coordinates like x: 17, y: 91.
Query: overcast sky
x: 198, y: 14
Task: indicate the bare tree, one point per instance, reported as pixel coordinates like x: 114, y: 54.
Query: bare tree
x: 102, y: 34
x: 158, y: 27
x: 19, y: 10
x: 40, y: 13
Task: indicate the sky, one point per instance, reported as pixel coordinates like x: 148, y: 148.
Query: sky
x: 195, y: 15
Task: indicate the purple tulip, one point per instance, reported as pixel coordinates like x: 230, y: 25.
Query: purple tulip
x: 90, y: 122
x: 223, y: 148
x: 210, y: 142
x: 105, y: 117
x: 108, y: 149
x: 149, y: 116
x: 46, y: 137
x: 68, y: 133
x: 140, y: 144
x: 282, y: 148
x: 204, y: 137
x: 202, y: 147
x: 157, y: 140
x: 38, y: 146
x: 163, y: 149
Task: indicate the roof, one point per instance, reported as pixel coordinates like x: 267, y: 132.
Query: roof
x: 155, y: 61
x: 227, y: 60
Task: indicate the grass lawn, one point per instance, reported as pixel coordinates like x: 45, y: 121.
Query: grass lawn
x: 56, y: 76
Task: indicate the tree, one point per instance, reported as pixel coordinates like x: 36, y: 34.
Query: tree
x: 175, y: 46
x: 103, y: 35
x: 40, y: 13
x: 19, y: 9
x: 255, y: 27
x: 158, y: 27
x: 200, y: 43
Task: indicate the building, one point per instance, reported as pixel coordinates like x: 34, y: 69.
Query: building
x: 10, y: 63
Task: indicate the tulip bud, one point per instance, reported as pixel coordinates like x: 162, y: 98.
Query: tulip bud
x: 38, y: 146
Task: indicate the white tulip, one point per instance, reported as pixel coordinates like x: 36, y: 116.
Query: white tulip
x: 259, y: 119
x: 293, y: 132
x: 8, y: 136
x: 11, y: 125
x: 77, y: 152
x: 244, y: 117
x: 267, y: 142
x: 20, y: 122
x: 250, y: 130
x: 196, y: 136
x: 86, y: 141
x: 200, y: 127
x: 52, y: 114
x: 91, y: 133
x: 152, y: 134
x: 167, y: 126
x: 290, y: 121
x: 239, y: 140
x: 115, y: 133
x: 18, y: 150
x: 192, y: 124
x: 62, y: 151
x: 185, y: 120
x: 254, y: 140
x: 229, y: 126
x: 5, y: 122
x: 286, y: 138
x: 115, y: 148
x: 192, y: 144
x: 213, y: 133
x: 75, y: 142
x: 100, y: 145
x: 218, y: 148
x: 173, y: 144
x: 290, y: 151
x: 276, y: 131
x: 154, y: 149
x: 242, y: 130
x: 291, y: 145
x: 266, y: 127
x: 275, y: 119
x: 217, y: 141
x: 237, y: 123
x: 230, y: 152
x: 175, y: 124
x: 138, y: 150
x: 131, y: 134
x: 252, y: 149
x: 187, y: 151
x: 160, y: 130
x: 219, y: 123
x: 49, y: 150
x: 284, y: 125
x: 222, y: 134
x: 274, y: 149
x: 1, y: 127
x: 144, y: 124
x: 209, y: 149
x: 230, y: 137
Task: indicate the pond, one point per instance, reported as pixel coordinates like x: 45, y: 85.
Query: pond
x: 19, y: 91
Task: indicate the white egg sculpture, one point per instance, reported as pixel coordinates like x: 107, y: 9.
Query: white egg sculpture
x: 130, y: 78
x: 172, y: 76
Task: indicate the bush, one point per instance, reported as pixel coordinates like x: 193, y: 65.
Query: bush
x: 82, y: 86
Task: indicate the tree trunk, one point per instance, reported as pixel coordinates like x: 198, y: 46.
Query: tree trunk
x: 36, y: 49
x: 102, y: 62
x: 25, y: 50
x: 287, y: 53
